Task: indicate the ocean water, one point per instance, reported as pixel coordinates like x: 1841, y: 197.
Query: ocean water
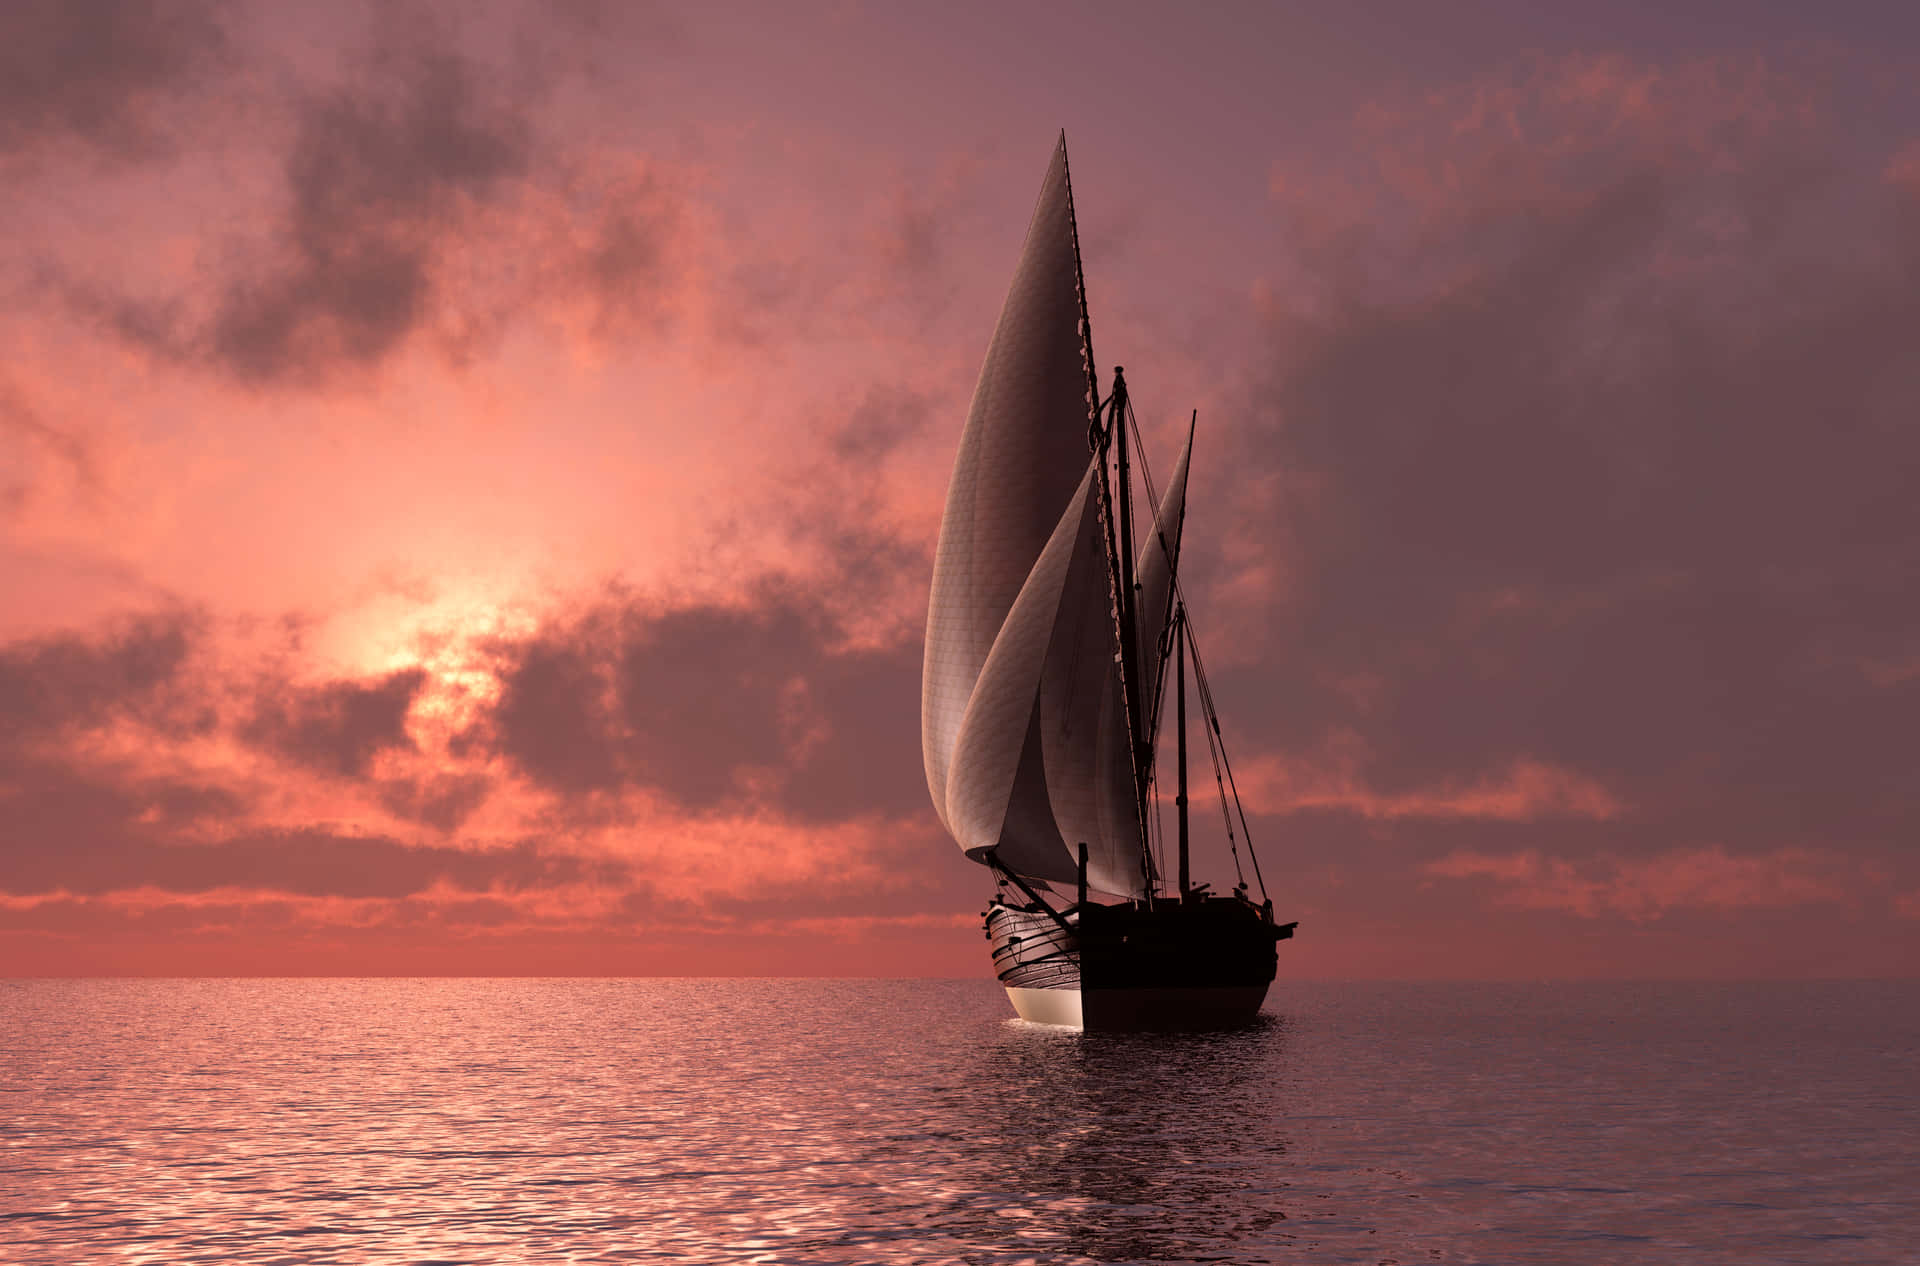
x: 377, y: 1121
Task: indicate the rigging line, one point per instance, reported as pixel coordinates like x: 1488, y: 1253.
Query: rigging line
x: 1101, y: 438
x: 1159, y: 836
x: 1216, y: 741
x: 1239, y: 807
x: 1206, y: 699
x: 1130, y: 428
x: 1080, y: 291
x: 1156, y: 830
x: 1213, y: 753
x: 1157, y: 839
x: 1140, y: 446
x: 1096, y: 441
x: 1212, y: 726
x: 1170, y: 550
x: 1119, y: 594
x: 1163, y: 647
x: 1146, y: 472
x: 1146, y: 476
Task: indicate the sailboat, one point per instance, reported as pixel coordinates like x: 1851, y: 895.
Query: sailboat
x: 1052, y: 636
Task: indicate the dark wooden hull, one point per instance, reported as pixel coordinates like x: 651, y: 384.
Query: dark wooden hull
x: 1198, y: 964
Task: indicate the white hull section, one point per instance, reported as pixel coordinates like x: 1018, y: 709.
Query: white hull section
x: 1124, y: 1010
x: 1048, y: 1006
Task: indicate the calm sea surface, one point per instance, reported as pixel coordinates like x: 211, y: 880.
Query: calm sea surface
x: 913, y: 1121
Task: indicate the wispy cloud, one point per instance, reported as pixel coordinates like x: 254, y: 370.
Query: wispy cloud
x: 1521, y: 790
x: 1709, y: 878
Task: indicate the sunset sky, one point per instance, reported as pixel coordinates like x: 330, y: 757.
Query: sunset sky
x: 469, y: 474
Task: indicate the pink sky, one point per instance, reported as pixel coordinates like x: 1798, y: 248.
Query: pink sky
x: 468, y: 476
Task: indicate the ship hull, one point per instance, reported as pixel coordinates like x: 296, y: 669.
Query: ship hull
x: 1140, y: 1010
x: 1171, y: 965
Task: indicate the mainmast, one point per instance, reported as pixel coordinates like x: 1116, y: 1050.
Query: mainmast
x: 1125, y: 612
x: 1129, y: 604
x: 1180, y: 725
x: 1119, y: 554
x: 1120, y: 581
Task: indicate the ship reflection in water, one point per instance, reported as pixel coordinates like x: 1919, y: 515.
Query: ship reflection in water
x: 903, y: 1121
x: 1138, y: 1147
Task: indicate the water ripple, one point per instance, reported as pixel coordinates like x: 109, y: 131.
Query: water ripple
x: 384, y: 1121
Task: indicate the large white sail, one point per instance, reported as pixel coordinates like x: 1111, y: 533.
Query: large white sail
x: 1020, y: 718
x: 998, y: 795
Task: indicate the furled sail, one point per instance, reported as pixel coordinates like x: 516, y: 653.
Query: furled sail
x: 1020, y: 716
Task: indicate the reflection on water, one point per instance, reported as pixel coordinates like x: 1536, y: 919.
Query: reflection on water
x: 903, y: 1121
x: 1137, y: 1148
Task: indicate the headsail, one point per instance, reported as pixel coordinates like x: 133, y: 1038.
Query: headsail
x: 1019, y: 693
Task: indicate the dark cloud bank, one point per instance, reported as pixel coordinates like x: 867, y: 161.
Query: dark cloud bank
x: 101, y: 71
x: 702, y: 704
x: 1608, y: 462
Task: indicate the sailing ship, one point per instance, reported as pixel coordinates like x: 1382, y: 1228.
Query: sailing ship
x: 1052, y: 637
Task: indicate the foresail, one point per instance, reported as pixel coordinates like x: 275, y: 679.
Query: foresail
x: 1159, y: 558
x: 1040, y: 764
x: 997, y: 797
